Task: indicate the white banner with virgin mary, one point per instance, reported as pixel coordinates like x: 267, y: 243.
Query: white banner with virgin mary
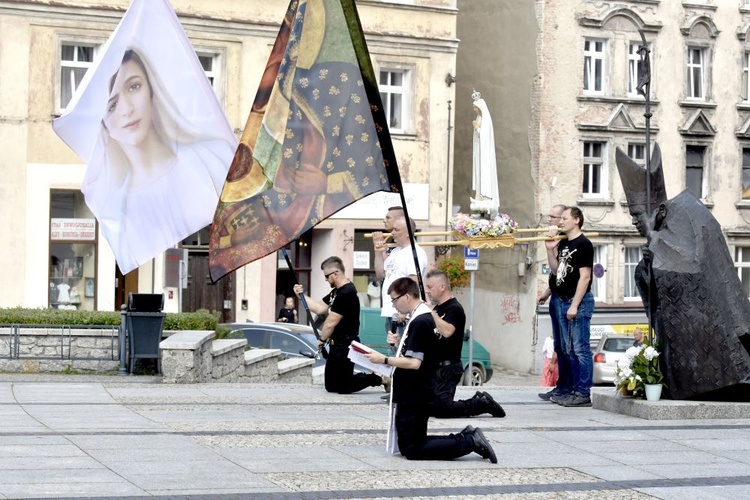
x: 155, y: 140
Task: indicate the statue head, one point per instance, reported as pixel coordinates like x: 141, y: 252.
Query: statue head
x: 633, y: 178
x: 475, y: 96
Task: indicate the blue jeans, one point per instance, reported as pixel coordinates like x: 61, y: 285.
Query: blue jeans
x: 565, y: 378
x: 575, y: 337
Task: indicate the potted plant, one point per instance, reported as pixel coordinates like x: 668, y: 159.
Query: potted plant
x: 638, y: 372
x: 453, y: 267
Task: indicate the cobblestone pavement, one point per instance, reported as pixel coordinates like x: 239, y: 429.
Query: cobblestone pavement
x: 97, y: 437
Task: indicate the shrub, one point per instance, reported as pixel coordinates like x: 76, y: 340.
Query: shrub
x: 199, y: 320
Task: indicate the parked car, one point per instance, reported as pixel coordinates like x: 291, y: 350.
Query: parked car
x: 293, y: 340
x: 607, y: 352
x: 372, y: 334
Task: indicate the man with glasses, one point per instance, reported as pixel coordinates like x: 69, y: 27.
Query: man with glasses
x: 415, y: 365
x: 564, y: 384
x: 340, y: 328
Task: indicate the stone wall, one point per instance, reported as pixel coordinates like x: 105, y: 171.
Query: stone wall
x: 59, y: 349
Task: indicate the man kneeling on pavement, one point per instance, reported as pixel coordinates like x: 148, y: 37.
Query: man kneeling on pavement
x: 416, y: 363
x: 450, y: 321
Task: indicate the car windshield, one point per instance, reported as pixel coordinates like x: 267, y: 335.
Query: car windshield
x: 617, y: 345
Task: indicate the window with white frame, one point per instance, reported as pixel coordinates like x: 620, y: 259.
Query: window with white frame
x: 635, y: 71
x: 75, y: 60
x: 594, y: 170
x: 746, y: 75
x: 632, y: 257
x: 745, y: 173
x: 742, y: 263
x: 599, y: 285
x: 393, y: 85
x: 695, y: 157
x: 637, y: 153
x: 696, y: 73
x: 211, y: 64
x: 593, y: 66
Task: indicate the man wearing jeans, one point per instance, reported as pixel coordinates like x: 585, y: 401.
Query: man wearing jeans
x: 571, y: 261
x: 564, y: 384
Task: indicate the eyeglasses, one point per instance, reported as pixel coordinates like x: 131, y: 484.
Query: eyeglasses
x: 329, y: 274
x: 394, y: 299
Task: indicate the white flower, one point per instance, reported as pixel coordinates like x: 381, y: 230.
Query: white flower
x: 632, y: 352
x: 650, y: 353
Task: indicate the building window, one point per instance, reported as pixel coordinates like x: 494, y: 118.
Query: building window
x: 694, y: 169
x: 745, y: 173
x: 742, y: 263
x: 593, y: 66
x: 75, y: 60
x: 599, y: 285
x: 72, y: 252
x: 394, y: 94
x: 594, y: 171
x: 746, y: 76
x: 635, y: 72
x: 696, y: 81
x: 637, y: 153
x: 632, y: 257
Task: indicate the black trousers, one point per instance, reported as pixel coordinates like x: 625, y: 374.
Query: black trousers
x: 340, y: 376
x: 444, y: 386
x: 415, y: 444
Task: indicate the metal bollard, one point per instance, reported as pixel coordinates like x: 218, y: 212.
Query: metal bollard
x: 121, y: 341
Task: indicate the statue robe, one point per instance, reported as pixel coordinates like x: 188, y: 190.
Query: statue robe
x: 702, y: 315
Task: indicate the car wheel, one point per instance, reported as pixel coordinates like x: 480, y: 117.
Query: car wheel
x: 477, y: 376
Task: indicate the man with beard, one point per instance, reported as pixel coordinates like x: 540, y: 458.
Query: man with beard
x: 340, y: 328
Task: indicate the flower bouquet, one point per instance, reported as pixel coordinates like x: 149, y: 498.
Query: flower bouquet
x: 466, y: 225
x: 638, y: 367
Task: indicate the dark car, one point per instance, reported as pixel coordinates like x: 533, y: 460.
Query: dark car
x: 293, y: 340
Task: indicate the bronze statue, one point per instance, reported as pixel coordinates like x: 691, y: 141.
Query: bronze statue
x: 697, y: 304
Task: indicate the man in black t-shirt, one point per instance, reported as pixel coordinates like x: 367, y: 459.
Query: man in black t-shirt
x: 415, y: 365
x: 340, y: 328
x: 450, y: 321
x: 571, y: 260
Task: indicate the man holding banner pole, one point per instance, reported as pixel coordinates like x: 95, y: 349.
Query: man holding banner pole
x: 340, y: 328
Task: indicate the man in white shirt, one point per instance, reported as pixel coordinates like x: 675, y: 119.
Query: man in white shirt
x: 399, y: 263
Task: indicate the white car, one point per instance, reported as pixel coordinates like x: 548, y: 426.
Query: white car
x: 607, y: 352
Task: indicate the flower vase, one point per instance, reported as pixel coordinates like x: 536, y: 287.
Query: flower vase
x: 653, y: 392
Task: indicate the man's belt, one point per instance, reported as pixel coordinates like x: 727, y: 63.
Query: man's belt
x: 344, y: 342
x: 447, y: 362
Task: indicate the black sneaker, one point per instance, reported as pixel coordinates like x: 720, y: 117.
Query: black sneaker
x: 493, y: 407
x: 480, y: 445
x: 577, y: 401
x: 556, y: 398
x: 546, y: 395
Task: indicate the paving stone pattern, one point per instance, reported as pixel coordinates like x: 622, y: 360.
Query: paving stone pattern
x: 107, y: 437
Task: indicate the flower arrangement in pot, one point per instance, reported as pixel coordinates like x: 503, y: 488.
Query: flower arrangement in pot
x: 638, y: 368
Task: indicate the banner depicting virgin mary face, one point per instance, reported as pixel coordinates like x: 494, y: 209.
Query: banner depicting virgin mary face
x: 155, y: 140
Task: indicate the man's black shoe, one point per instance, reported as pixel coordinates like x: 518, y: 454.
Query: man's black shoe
x: 479, y: 443
x: 546, y: 395
x: 576, y: 400
x: 492, y: 406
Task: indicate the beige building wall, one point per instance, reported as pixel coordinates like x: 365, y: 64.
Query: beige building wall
x: 416, y: 35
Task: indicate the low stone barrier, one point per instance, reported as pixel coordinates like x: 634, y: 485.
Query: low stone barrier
x: 58, y: 349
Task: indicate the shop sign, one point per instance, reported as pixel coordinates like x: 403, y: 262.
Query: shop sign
x: 73, y: 229
x: 361, y: 260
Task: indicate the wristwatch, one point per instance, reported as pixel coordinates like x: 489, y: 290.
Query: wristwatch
x: 385, y: 361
